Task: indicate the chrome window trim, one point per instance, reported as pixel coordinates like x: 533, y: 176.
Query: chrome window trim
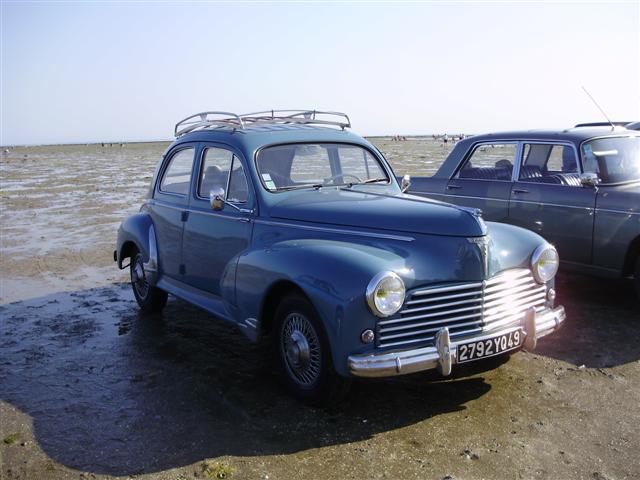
x: 472, y: 150
x: 165, y: 167
x: 516, y: 175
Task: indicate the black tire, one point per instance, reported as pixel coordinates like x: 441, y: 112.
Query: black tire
x: 310, y: 377
x: 150, y: 299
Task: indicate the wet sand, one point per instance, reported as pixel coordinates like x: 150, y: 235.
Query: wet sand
x: 90, y: 388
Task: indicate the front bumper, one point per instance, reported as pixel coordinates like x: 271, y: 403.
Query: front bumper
x: 444, y: 354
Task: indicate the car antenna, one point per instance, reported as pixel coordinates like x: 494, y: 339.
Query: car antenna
x: 613, y: 127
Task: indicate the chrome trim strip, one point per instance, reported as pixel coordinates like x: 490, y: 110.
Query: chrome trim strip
x: 541, y: 203
x: 442, y: 305
x: 621, y: 212
x: 464, y: 286
x: 443, y: 297
x: 420, y: 317
x: 474, y: 198
x: 335, y: 230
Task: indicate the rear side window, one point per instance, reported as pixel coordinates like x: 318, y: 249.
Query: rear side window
x: 177, y: 176
x: 549, y: 163
x: 490, y: 162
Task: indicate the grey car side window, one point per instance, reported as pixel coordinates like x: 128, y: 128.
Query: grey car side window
x: 490, y: 162
x: 549, y: 163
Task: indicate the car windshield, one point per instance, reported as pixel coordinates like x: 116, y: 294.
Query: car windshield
x: 289, y: 167
x: 614, y: 159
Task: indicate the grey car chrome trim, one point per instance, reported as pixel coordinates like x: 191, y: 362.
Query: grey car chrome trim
x: 622, y: 212
x: 335, y: 230
x: 475, y: 198
x: 591, y: 209
x: 533, y: 325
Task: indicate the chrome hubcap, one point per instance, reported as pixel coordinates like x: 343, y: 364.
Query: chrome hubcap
x: 301, y: 349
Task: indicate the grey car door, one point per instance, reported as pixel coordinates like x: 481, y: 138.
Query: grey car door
x: 549, y: 199
x: 484, y: 179
x: 168, y: 208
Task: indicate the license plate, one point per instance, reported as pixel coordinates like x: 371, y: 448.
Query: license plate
x: 489, y: 347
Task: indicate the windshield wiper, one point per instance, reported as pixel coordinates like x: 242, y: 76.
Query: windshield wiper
x: 371, y: 180
x: 317, y: 186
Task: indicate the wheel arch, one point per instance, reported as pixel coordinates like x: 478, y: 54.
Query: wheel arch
x: 272, y: 298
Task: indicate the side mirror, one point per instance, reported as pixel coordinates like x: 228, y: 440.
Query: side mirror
x: 406, y: 183
x: 589, y: 179
x: 216, y: 199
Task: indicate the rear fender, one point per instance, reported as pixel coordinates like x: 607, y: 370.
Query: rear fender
x: 138, y: 230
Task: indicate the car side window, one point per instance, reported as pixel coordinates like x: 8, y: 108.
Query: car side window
x: 490, y: 162
x: 216, y: 164
x: 549, y: 163
x: 221, y: 169
x: 238, y: 188
x: 177, y: 176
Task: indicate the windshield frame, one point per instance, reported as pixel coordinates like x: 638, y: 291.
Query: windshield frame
x: 392, y: 181
x: 620, y: 135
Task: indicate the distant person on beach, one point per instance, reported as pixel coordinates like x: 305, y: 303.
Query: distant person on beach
x: 445, y: 139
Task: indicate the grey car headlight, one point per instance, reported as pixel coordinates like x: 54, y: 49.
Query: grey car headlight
x: 385, y: 294
x: 544, y: 263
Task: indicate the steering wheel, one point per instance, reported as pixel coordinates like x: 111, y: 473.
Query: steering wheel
x: 342, y: 175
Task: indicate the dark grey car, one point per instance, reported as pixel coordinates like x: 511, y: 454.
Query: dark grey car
x: 579, y: 188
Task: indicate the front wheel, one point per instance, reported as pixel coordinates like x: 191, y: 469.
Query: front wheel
x: 304, y: 356
x: 150, y: 299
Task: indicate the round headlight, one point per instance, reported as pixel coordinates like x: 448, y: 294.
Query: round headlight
x: 385, y: 294
x: 544, y: 263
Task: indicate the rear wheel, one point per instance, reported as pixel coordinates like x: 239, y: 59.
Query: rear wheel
x: 150, y: 299
x: 303, y: 353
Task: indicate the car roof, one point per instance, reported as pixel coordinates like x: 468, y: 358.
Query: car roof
x: 575, y: 135
x: 253, y: 137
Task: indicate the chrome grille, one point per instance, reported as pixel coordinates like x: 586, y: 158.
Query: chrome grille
x: 464, y: 308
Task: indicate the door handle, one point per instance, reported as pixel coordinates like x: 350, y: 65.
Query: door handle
x: 519, y: 190
x: 453, y: 187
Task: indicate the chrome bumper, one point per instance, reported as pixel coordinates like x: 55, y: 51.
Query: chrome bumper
x: 444, y: 354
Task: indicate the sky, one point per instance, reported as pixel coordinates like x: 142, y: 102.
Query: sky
x: 75, y: 72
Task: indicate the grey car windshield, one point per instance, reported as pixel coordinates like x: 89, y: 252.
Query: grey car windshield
x: 614, y: 159
x: 288, y: 167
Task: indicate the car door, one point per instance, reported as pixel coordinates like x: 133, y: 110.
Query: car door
x: 484, y: 179
x: 212, y: 240
x: 549, y: 199
x: 169, y: 206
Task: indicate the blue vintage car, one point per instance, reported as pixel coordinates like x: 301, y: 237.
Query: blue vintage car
x: 296, y: 231
x: 579, y: 188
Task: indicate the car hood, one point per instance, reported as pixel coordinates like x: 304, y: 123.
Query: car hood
x: 397, y: 213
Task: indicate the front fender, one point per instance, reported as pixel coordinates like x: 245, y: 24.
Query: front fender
x: 510, y: 247
x: 138, y: 230
x: 332, y: 274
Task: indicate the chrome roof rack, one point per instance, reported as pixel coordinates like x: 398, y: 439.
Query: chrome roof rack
x: 205, y: 120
